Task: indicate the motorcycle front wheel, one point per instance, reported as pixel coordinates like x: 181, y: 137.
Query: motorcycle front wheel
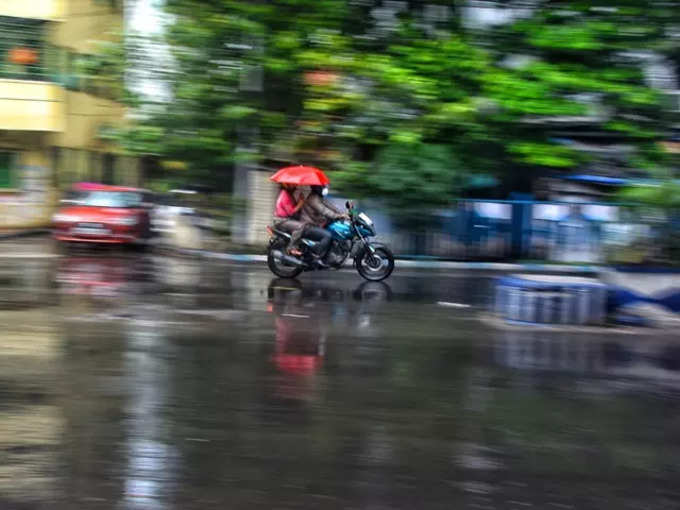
x: 375, y: 266
x: 279, y: 267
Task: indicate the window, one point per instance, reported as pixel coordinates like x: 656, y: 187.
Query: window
x: 111, y: 199
x: 6, y: 173
x: 22, y: 48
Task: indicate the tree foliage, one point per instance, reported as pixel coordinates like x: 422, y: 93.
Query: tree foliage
x: 404, y: 103
x: 583, y: 67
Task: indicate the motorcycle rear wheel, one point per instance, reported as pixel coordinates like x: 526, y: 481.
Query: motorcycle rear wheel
x: 279, y: 267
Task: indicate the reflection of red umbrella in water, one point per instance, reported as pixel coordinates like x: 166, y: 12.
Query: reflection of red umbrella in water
x: 301, y: 175
x: 298, y: 363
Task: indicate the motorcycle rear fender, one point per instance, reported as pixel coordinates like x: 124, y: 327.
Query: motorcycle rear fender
x: 278, y: 233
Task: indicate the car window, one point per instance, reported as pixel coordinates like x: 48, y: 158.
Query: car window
x: 111, y: 199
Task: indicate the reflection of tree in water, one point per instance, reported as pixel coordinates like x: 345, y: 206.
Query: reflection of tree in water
x: 576, y: 442
x: 93, y: 409
x: 25, y: 285
x: 151, y: 458
x: 578, y: 413
x: 31, y: 421
x: 400, y: 417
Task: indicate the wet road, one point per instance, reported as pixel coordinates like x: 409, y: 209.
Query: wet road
x: 143, y: 382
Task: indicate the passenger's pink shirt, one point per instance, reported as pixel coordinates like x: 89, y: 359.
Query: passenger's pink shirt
x: 285, y: 204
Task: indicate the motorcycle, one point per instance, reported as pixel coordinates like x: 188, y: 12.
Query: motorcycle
x: 374, y: 261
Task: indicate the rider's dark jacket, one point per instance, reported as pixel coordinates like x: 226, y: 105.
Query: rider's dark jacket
x: 316, y: 211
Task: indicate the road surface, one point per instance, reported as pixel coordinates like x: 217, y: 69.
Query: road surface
x: 134, y: 381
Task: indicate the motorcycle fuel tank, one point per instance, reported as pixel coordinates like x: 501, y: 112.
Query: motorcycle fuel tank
x: 340, y: 230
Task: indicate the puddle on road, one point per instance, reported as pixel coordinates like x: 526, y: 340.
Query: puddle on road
x: 194, y: 385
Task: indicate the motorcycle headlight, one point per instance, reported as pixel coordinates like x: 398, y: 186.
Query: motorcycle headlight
x: 367, y: 221
x: 127, y: 221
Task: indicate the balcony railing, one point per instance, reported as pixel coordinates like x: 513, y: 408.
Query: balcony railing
x: 23, y: 54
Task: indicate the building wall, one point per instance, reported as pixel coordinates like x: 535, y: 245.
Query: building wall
x: 82, y: 152
x: 50, y: 128
x: 31, y: 106
x: 84, y: 116
x: 85, y: 22
x: 31, y: 202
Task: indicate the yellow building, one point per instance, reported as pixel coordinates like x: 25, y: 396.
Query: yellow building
x: 51, y: 116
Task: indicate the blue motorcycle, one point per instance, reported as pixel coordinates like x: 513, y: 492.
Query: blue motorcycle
x: 374, y: 261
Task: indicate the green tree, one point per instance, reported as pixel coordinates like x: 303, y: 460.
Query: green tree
x: 395, y: 108
x: 333, y: 83
x: 401, y: 104
x: 577, y: 67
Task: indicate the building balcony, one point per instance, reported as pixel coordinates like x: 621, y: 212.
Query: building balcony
x: 34, y: 9
x: 24, y: 52
x: 31, y: 106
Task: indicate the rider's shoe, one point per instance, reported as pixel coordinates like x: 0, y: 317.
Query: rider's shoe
x: 320, y: 263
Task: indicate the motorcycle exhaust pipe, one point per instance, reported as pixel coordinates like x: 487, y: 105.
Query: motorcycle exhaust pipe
x: 279, y: 255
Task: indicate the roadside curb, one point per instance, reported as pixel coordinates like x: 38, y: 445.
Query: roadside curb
x: 399, y: 263
x: 500, y: 266
x: 420, y: 264
x: 24, y: 233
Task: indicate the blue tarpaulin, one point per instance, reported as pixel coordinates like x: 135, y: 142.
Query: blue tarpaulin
x: 597, y: 179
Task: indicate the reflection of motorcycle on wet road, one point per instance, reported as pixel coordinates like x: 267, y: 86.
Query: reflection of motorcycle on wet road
x: 299, y: 345
x: 300, y: 338
x: 303, y: 317
x: 302, y: 313
x: 370, y: 296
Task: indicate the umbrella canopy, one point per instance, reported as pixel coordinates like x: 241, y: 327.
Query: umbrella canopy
x: 300, y: 176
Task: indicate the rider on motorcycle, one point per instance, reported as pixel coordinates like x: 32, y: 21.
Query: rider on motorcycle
x: 316, y: 213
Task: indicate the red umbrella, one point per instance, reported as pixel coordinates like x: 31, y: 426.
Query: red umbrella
x: 301, y: 175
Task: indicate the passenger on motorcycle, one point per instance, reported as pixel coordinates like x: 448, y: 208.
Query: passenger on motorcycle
x: 287, y: 216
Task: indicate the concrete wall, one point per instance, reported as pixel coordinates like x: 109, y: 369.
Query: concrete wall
x: 32, y: 203
x: 260, y: 206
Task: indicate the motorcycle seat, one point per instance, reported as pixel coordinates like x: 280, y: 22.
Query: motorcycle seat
x: 273, y: 231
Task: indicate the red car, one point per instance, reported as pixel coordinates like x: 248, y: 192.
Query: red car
x: 99, y: 213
